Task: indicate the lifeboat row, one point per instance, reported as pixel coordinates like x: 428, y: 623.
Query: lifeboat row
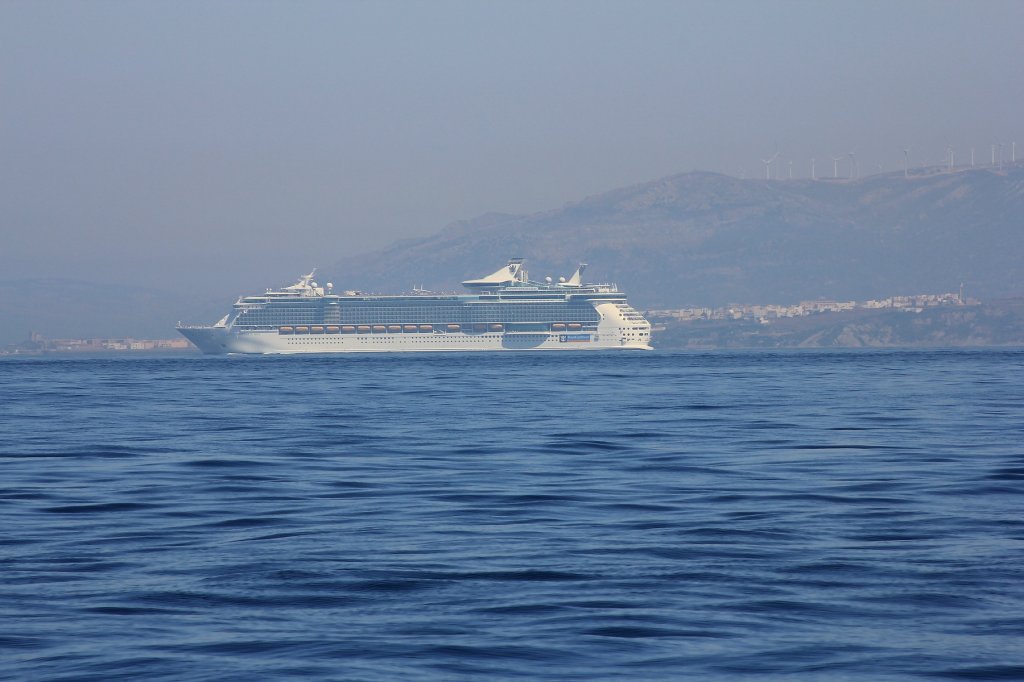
x: 382, y: 328
x: 409, y: 328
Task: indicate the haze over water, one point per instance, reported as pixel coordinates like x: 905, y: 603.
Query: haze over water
x: 811, y: 515
x: 188, y: 146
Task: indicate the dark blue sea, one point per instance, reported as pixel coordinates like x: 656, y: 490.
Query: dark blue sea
x: 642, y: 516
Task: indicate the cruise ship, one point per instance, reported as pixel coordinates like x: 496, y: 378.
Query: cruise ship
x: 504, y: 311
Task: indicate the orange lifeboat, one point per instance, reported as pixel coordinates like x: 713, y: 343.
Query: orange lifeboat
x: 379, y: 328
x: 331, y: 329
x: 558, y: 326
x: 302, y: 330
x: 454, y: 327
x: 575, y: 326
x: 364, y: 329
x: 426, y: 327
x: 410, y: 327
x: 347, y: 329
x: 316, y: 330
x: 284, y: 330
x: 497, y: 327
x: 394, y: 327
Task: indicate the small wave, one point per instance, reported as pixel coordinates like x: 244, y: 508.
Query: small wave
x: 1007, y: 474
x: 583, y: 445
x: 100, y: 507
x: 244, y: 522
x: 390, y: 586
x: 215, y: 463
x: 982, y: 672
x: 523, y: 609
x: 22, y: 642
x: 207, y: 600
x: 927, y: 600
x: 495, y: 653
x: 130, y: 610
x: 529, y: 575
x: 639, y: 632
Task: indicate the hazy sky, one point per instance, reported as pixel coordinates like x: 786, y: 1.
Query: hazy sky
x: 188, y: 144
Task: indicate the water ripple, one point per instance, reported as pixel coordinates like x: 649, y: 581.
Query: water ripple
x: 820, y: 515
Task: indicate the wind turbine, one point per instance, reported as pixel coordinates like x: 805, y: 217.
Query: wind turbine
x: 768, y: 164
x: 790, y: 170
x: 835, y: 165
x: 949, y: 156
x: 906, y: 161
x: 993, y: 153
x: 972, y: 157
x: 1000, y: 156
x: 813, y: 177
x: 1013, y: 152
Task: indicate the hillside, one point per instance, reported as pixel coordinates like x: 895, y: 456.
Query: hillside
x: 1000, y: 323
x: 698, y: 238
x: 707, y: 239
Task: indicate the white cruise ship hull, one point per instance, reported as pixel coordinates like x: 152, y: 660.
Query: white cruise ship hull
x: 508, y: 312
x: 215, y: 340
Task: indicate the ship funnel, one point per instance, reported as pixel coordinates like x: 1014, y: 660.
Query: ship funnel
x: 510, y: 273
x: 577, y: 277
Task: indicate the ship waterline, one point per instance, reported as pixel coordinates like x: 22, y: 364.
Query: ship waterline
x: 506, y: 311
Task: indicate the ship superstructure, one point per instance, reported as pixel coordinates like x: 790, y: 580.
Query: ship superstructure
x: 505, y: 311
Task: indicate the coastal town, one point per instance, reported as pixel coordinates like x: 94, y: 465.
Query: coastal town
x: 766, y: 313
x: 38, y: 345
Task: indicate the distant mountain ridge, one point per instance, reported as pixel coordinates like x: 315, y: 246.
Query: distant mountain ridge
x: 702, y: 238
x: 695, y: 238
